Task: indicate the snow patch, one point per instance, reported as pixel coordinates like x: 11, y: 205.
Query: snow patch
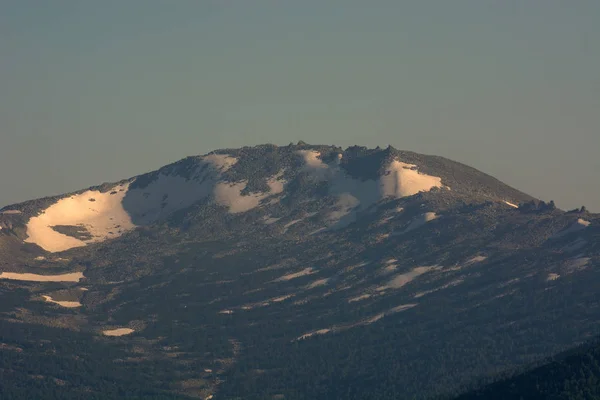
x: 475, y: 260
x: 400, y: 308
x: 11, y: 212
x: 95, y: 216
x: 230, y: 195
x: 471, y: 261
x: 359, y: 298
x: 317, y: 283
x: 402, y: 180
x: 578, y: 263
x: 100, y: 214
x: 319, y: 332
x: 312, y: 162
x: 70, y: 277
x: 399, y: 180
x: 291, y: 223
x: 579, y: 225
x: 118, y: 332
x: 67, y: 304
x: 402, y: 279
x: 221, y: 162
x: 289, y: 277
x: 552, y: 277
x: 510, y: 204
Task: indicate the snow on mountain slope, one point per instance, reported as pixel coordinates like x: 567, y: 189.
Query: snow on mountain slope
x: 401, y: 180
x: 398, y: 180
x: 98, y: 215
x: 579, y: 225
x: 95, y: 216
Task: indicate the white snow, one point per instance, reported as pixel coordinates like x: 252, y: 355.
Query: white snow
x: 67, y: 304
x: 402, y: 180
x: 510, y: 204
x: 118, y: 332
x: 359, y: 298
x: 475, y: 260
x: 294, y: 222
x: 221, y: 162
x: 579, y: 225
x: 400, y: 308
x: 282, y: 298
x: 399, y: 180
x: 313, y: 163
x: 578, y: 263
x: 70, y: 277
x: 472, y: 261
x: 99, y: 213
x: 402, y: 279
x: 289, y: 277
x: 583, y: 222
x: 390, y: 268
x: 552, y: 277
x: 317, y: 283
x: 319, y: 332
x: 109, y: 215
x: 267, y: 302
x: 229, y: 195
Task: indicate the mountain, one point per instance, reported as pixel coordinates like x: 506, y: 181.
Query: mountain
x: 294, y: 272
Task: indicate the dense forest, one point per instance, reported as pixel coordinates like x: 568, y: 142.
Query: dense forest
x: 574, y: 375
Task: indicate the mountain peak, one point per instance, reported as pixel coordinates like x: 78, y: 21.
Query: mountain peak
x: 241, y: 180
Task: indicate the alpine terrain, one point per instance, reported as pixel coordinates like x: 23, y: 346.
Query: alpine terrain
x: 295, y: 272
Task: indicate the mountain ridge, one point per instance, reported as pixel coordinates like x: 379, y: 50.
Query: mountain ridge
x: 296, y: 272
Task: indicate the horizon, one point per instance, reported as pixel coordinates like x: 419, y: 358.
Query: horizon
x: 299, y: 143
x: 509, y: 89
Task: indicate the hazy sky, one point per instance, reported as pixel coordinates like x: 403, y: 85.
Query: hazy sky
x: 95, y: 91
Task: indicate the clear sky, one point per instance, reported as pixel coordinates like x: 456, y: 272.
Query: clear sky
x: 95, y: 91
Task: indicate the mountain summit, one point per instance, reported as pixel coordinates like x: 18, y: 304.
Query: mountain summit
x: 242, y: 180
x: 290, y: 272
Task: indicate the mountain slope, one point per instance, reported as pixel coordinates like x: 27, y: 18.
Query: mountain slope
x: 574, y: 375
x: 305, y: 272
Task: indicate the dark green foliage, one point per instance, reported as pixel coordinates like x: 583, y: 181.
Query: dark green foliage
x: 574, y: 375
x: 38, y: 362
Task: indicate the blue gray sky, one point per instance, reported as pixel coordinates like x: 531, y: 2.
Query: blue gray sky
x: 96, y: 91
